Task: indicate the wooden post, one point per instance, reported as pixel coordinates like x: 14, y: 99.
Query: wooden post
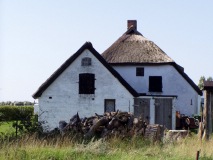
x: 16, y: 125
x: 205, y: 113
x: 197, y: 156
x: 208, y: 114
x: 201, y: 133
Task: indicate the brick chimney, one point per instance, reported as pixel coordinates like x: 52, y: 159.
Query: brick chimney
x: 131, y: 23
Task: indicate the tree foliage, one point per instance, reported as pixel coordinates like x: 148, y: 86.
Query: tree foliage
x: 202, y: 79
x: 209, y: 79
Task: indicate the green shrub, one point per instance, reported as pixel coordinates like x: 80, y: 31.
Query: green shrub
x: 28, y: 125
x: 14, y: 112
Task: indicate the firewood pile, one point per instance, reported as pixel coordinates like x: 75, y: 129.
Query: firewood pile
x: 114, y: 123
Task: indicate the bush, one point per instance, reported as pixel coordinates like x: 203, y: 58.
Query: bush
x: 14, y: 112
x: 28, y: 125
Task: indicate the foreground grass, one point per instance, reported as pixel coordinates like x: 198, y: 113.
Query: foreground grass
x: 31, y: 147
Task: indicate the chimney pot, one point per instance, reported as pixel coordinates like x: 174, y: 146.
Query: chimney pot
x: 131, y: 23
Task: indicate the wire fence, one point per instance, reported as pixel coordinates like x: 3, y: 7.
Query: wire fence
x: 19, y: 125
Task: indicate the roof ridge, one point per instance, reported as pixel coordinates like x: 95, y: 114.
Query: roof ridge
x: 132, y: 30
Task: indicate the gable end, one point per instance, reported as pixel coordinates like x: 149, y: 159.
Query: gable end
x: 64, y: 66
x: 179, y: 69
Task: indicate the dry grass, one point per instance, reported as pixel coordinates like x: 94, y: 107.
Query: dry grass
x: 30, y: 147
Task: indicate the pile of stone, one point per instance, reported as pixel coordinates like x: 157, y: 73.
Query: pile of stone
x: 114, y: 123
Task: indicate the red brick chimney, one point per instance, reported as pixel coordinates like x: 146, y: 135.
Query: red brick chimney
x: 131, y: 23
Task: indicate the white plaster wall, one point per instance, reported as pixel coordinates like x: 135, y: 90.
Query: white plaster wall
x: 66, y: 100
x: 173, y: 84
x: 36, y: 108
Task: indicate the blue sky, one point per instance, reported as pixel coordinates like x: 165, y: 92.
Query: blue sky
x: 37, y: 36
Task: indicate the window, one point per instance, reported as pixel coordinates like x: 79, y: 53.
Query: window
x: 109, y: 105
x: 86, y: 83
x: 139, y: 71
x: 86, y: 61
x: 155, y: 84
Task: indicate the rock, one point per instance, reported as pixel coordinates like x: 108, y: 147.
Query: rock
x: 176, y: 134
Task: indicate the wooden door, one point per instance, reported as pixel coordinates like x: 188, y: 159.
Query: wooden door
x: 142, y: 108
x: 163, y: 112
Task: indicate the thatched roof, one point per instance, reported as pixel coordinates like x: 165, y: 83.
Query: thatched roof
x: 133, y: 47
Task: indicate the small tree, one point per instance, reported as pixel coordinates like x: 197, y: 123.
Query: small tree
x: 202, y: 79
x: 209, y: 79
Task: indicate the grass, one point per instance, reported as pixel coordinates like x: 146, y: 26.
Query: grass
x: 71, y: 147
x: 8, y: 131
x: 5, y: 126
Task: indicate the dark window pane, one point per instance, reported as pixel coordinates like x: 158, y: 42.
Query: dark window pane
x: 86, y: 83
x: 155, y: 84
x: 86, y: 62
x: 139, y: 71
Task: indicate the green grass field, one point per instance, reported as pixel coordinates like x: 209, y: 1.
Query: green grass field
x: 72, y: 147
x: 30, y: 147
x: 6, y: 126
x: 7, y: 130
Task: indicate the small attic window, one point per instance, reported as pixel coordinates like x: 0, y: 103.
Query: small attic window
x: 139, y: 71
x: 86, y: 61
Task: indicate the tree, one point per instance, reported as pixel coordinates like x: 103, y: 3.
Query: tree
x: 209, y: 79
x: 202, y: 79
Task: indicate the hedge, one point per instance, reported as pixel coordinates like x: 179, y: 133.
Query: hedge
x: 13, y: 112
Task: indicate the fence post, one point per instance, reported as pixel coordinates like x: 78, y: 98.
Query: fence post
x: 16, y: 125
x: 197, y: 155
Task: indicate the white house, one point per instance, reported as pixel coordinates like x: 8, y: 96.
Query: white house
x: 133, y: 74
x: 151, y: 72
x: 86, y: 84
